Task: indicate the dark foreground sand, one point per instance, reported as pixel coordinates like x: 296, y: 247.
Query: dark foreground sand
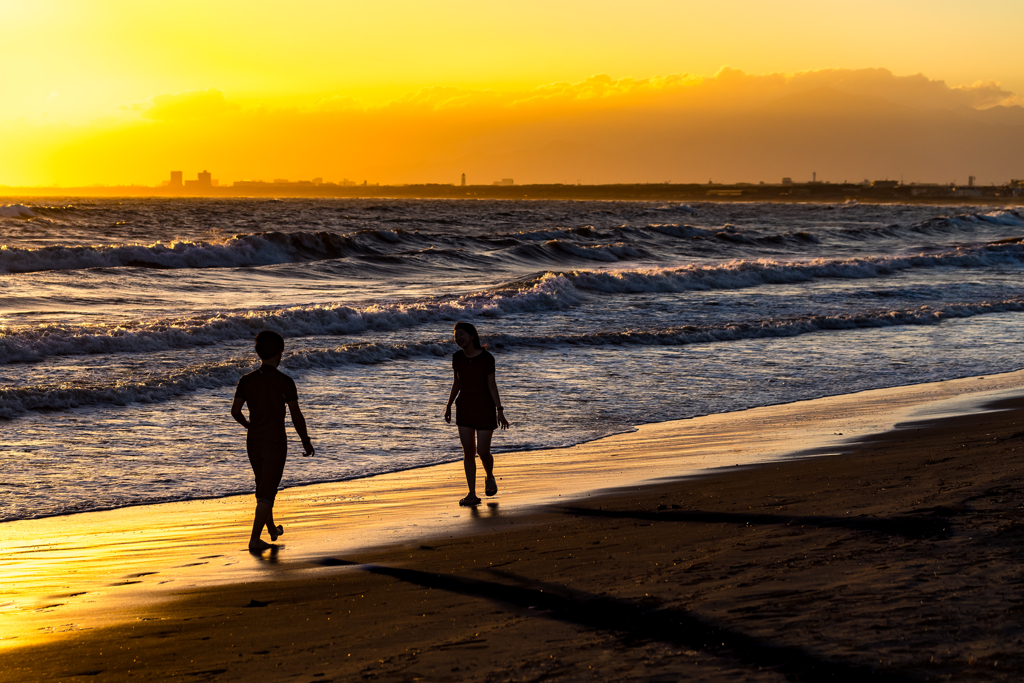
x: 899, y: 561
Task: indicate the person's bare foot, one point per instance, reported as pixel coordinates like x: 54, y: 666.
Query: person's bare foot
x: 259, y: 546
x: 275, y: 532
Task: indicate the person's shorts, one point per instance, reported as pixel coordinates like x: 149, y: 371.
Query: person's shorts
x: 267, y: 460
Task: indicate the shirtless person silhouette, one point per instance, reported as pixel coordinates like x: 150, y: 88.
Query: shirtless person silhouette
x: 267, y: 391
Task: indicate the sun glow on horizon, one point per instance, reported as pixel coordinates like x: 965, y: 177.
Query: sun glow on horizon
x: 118, y: 92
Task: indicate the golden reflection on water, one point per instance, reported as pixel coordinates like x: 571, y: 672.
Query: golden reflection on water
x: 67, y: 573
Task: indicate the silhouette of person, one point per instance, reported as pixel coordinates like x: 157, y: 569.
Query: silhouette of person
x: 475, y: 394
x: 267, y: 391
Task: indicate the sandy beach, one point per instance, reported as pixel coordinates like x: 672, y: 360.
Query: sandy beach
x: 868, y: 536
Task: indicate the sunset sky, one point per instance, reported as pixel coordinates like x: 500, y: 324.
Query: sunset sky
x: 113, y: 91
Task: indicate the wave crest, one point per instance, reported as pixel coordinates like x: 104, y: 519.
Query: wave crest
x: 17, y: 211
x: 255, y: 249
x: 33, y: 344
x: 161, y: 387
x: 752, y: 273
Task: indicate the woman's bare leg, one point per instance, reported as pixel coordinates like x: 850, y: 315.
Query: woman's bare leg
x: 467, y: 435
x: 483, y: 449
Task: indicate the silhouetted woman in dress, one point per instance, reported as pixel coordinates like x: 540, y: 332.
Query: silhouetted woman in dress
x: 478, y: 408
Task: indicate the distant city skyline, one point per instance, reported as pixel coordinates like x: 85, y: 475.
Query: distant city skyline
x: 204, y: 179
x: 786, y: 189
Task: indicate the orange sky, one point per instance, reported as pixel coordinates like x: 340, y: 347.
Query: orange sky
x: 395, y: 91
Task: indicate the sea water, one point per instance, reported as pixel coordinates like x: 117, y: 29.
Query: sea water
x: 126, y: 323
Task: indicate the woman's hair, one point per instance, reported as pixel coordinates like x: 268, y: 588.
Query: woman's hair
x: 471, y: 331
x: 269, y: 344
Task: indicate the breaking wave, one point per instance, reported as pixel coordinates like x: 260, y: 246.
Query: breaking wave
x: 544, y: 292
x: 16, y: 211
x: 256, y: 249
x: 161, y: 387
x: 752, y: 273
x: 546, y: 247
x: 33, y: 344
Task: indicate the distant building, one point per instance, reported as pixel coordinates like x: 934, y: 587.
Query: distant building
x: 463, y: 179
x: 885, y: 183
x: 175, y: 180
x: 504, y: 181
x: 970, y: 181
x: 318, y: 181
x: 787, y: 181
x: 204, y: 181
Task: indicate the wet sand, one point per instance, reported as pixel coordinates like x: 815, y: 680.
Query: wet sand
x: 895, y: 558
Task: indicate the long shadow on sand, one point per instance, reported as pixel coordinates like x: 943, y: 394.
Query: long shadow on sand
x: 635, y: 622
x: 924, y: 527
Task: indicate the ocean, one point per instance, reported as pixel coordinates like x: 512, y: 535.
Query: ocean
x: 126, y: 323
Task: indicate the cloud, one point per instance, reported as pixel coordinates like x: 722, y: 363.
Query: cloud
x: 983, y: 95
x: 186, y: 106
x: 732, y: 126
x: 729, y: 89
x: 914, y: 91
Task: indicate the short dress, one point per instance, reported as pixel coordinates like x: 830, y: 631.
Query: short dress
x: 474, y: 406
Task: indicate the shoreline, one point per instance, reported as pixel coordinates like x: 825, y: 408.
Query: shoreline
x: 170, y: 571
x: 633, y: 430
x: 884, y: 563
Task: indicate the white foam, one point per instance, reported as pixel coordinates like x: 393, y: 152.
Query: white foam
x: 1003, y: 217
x: 257, y: 249
x: 162, y: 387
x: 752, y: 273
x: 550, y: 291
x: 35, y: 343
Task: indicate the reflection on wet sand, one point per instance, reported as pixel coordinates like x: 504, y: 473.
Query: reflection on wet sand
x: 81, y: 571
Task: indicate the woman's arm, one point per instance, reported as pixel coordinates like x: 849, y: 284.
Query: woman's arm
x: 493, y: 386
x: 456, y: 387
